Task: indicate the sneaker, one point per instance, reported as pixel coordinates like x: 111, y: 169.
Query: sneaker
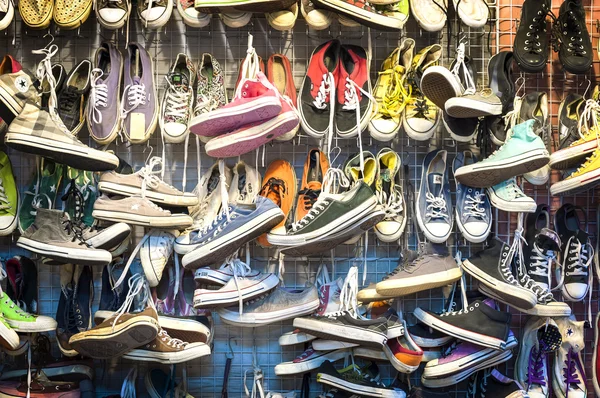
x: 471, y: 105
x: 192, y: 17
x: 478, y: 323
x: 278, y: 305
x: 79, y: 192
x: 390, y: 191
x: 7, y: 14
x: 55, y: 236
x: 107, y: 238
x: 138, y: 211
x: 155, y: 253
x: 308, y: 361
x: 19, y: 320
x: 315, y: 168
x: 523, y: 151
x: 280, y: 187
x: 460, y: 130
x: 584, y: 178
x: 364, y: 13
x: 166, y: 349
x: 16, y: 89
x: 576, y: 254
x: 210, y: 93
x: 36, y: 14
x: 316, y: 100
x: 433, y: 199
x: 155, y: 15
x: 542, y: 246
x: 112, y: 14
x: 473, y: 15
x: 429, y: 14
x: 236, y: 20
x: 72, y: 98
x: 568, y: 374
x: 337, y: 212
x: 574, y: 43
x: 502, y: 84
x: 531, y: 42
x: 22, y: 285
x: 284, y: 19
x: 434, y: 267
x: 390, y: 92
x: 535, y: 106
x: 318, y: 19
x: 60, y: 76
x: 462, y: 359
x: 595, y: 363
x: 139, y: 104
x: 9, y: 339
x: 493, y: 268
x: 8, y: 64
x: 9, y: 197
x: 236, y: 225
x: 245, y: 184
x: 178, y: 100
x: 403, y: 353
x: 279, y: 73
x: 158, y: 383
x: 421, y: 117
x: 353, y: 379
x: 427, y: 337
x: 508, y: 196
x: 218, y: 277
x: 541, y: 337
x: 369, y: 174
x: 494, y: 384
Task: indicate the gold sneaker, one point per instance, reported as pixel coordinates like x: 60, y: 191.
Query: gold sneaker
x: 37, y: 14
x: 391, y: 92
x: 584, y: 178
x: 71, y: 14
x: 421, y: 116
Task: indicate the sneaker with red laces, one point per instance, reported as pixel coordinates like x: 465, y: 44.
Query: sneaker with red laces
x: 353, y: 92
x: 316, y: 103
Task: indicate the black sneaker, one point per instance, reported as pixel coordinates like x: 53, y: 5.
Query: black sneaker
x: 82, y: 300
x: 501, y: 80
x: 460, y: 129
x: 543, y: 244
x: 569, y: 113
x: 365, y: 381
x: 72, y: 98
x: 112, y: 298
x: 494, y: 384
x: 531, y: 41
x: 60, y: 75
x: 574, y: 44
x: 427, y: 337
x: 21, y: 284
x: 479, y: 323
x: 493, y: 268
x: 65, y: 318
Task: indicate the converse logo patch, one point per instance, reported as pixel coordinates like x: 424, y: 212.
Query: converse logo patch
x: 22, y: 84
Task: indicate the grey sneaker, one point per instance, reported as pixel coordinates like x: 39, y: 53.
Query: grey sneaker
x: 105, y: 86
x: 370, y: 293
x: 473, y: 211
x: 55, y: 236
x: 482, y: 103
x: 279, y: 305
x: 508, y: 196
x: 232, y: 228
x: 139, y: 104
x: 106, y: 238
x: 434, y: 267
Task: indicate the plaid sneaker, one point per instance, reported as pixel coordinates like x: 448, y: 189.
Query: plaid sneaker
x: 15, y: 90
x: 36, y: 14
x: 178, y: 100
x: 71, y: 14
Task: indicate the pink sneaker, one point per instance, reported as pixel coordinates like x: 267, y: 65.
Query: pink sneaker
x: 255, y: 101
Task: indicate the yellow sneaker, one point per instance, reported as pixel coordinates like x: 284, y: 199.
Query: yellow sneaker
x: 421, y: 117
x: 391, y: 92
x: 71, y: 14
x: 37, y: 14
x: 584, y: 178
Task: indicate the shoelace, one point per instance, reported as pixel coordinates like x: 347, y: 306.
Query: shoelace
x: 310, y: 196
x: 512, y: 187
x: 316, y: 209
x: 436, y: 206
x: 69, y: 98
x: 177, y: 100
x: 170, y: 341
x: 451, y: 348
x: 483, y: 384
x: 396, y: 94
x: 511, y: 117
x: 334, y: 181
x: 535, y: 367
x: 137, y: 286
x: 4, y: 202
x: 78, y: 199
x: 474, y: 205
x: 98, y: 95
x: 128, y: 390
x: 134, y: 95
x: 74, y: 231
x: 536, y: 27
x: 571, y: 370
x: 461, y: 66
x: 274, y: 189
x: 392, y: 204
x: 541, y: 263
x: 570, y: 23
x: 149, y: 174
x: 9, y: 302
x: 472, y: 387
x: 588, y: 122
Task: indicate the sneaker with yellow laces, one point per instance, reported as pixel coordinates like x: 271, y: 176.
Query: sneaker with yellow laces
x: 421, y: 117
x: 391, y: 92
x: 584, y: 178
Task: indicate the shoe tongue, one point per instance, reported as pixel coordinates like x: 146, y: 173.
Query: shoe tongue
x: 547, y: 240
x: 582, y: 236
x: 549, y: 338
x: 137, y: 80
x: 435, y: 181
x: 178, y: 80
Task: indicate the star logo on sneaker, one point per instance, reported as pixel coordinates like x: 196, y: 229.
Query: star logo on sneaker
x: 135, y: 207
x: 22, y: 84
x: 570, y: 332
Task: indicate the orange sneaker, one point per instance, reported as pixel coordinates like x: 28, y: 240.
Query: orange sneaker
x: 315, y: 167
x: 279, y: 186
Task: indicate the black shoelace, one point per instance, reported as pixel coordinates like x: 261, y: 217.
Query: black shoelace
x: 310, y: 197
x: 274, y: 185
x: 570, y: 31
x: 68, y: 100
x: 535, y: 29
x: 75, y: 232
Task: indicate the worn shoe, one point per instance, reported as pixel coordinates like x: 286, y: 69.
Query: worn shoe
x: 72, y: 98
x: 166, y: 349
x: 307, y: 361
x: 583, y: 179
x: 235, y: 20
x: 245, y: 183
x: 471, y: 105
x: 37, y: 14
x: 9, y: 339
x: 429, y: 14
x: 284, y: 19
x: 575, y: 50
x: 155, y: 252
x: 155, y: 14
x: 531, y: 45
x: 178, y: 100
x: 473, y: 14
x: 390, y: 192
x: 568, y: 374
x: 317, y: 19
x: 508, y: 196
x: 7, y: 14
x: 279, y: 73
x: 370, y: 293
x: 138, y: 211
x: 71, y: 14
x: 353, y: 379
x: 210, y: 93
x: 315, y: 168
x: 577, y: 140
x: 535, y: 106
x: 218, y: 277
x: 192, y: 17
x: 19, y: 320
x: 113, y: 14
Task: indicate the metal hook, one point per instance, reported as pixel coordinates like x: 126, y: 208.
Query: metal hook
x: 230, y: 354
x: 589, y: 84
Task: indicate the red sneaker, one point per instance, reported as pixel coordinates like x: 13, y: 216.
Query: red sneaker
x: 279, y: 73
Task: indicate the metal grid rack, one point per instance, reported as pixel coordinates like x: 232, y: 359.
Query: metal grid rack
x: 205, y: 376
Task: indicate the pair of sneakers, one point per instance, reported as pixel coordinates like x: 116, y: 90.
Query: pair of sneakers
x: 38, y: 15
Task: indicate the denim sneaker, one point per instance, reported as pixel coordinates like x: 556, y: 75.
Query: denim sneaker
x: 473, y: 211
x: 508, y: 196
x: 522, y: 152
x: 433, y: 199
x: 233, y: 227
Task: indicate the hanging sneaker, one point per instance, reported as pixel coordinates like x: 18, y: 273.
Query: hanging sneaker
x: 192, y: 17
x: 218, y: 277
x: 210, y: 93
x: 577, y: 139
x: 403, y: 353
x: 501, y: 82
x: 7, y: 14
x: 155, y: 253
x: 166, y: 349
x: 584, y: 178
x: 370, y: 293
x: 178, y: 99
x: 9, y: 197
x: 279, y: 73
x: 494, y: 384
x: 154, y: 14
x: 508, y: 196
x: 72, y: 98
x: 245, y: 183
x: 535, y: 106
x: 284, y: 19
x: 315, y: 168
x: 390, y: 192
x: 369, y: 174
x: 139, y: 104
x: 36, y: 14
x: 22, y: 285
x: 365, y: 381
x: 79, y: 194
x: 431, y: 15
x: 236, y: 20
x: 575, y: 51
x: 542, y: 248
x: 531, y: 41
x: 138, y: 211
x: 308, y: 361
x: 568, y: 374
x: 318, y: 19
x: 473, y: 13
x: 426, y: 337
x: 112, y: 14
x: 70, y: 15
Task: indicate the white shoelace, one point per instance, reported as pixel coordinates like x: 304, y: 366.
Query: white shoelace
x: 170, y: 341
x: 316, y: 209
x: 149, y: 174
x: 541, y: 264
x: 589, y: 118
x: 461, y: 66
x: 436, y: 206
x: 224, y: 189
x: 177, y: 101
x: 128, y: 390
x: 137, y: 286
x: 98, y: 95
x: 392, y: 205
x: 334, y: 181
x: 4, y: 203
x: 239, y: 270
x: 473, y: 205
x: 134, y: 95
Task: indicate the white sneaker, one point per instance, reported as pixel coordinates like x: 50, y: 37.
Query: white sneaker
x: 568, y: 377
x: 209, y: 276
x: 245, y: 184
x: 178, y: 100
x: 430, y: 16
x: 473, y: 13
x: 155, y: 253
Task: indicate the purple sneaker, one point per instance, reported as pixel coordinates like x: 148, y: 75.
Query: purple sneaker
x: 139, y: 104
x: 103, y: 108
x: 461, y: 359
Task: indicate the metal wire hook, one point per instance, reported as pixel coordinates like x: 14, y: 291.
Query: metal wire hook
x: 230, y: 354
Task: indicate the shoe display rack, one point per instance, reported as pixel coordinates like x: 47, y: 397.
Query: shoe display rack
x: 259, y: 347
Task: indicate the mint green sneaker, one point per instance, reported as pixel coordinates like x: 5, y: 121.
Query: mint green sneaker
x: 22, y: 321
x: 522, y: 152
x: 41, y: 193
x: 9, y: 339
x: 508, y: 196
x: 79, y: 206
x: 9, y: 197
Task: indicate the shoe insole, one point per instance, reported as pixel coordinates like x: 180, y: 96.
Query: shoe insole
x: 314, y: 168
x: 279, y: 77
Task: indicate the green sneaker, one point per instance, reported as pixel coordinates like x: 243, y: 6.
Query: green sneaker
x: 9, y: 339
x: 41, y: 193
x: 79, y: 194
x: 522, y: 152
x: 9, y: 197
x: 23, y: 321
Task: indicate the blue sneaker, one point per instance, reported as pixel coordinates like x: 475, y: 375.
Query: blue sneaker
x: 473, y: 211
x: 508, y: 196
x: 522, y: 152
x: 225, y: 235
x: 433, y: 200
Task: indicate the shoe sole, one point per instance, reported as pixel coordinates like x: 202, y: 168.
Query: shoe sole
x: 328, y: 345
x: 538, y: 309
x: 364, y: 17
x: 431, y: 343
x: 438, y: 84
x: 406, y: 286
x: 65, y: 254
x: 221, y: 298
x: 459, y: 138
x: 429, y: 235
x: 348, y: 333
x: 357, y: 388
x: 9, y: 339
x: 173, y: 221
x: 82, y: 158
x: 8, y: 17
x: 572, y: 156
x: 193, y: 22
x: 492, y: 173
x: 459, y: 333
x: 293, y: 338
x: 421, y: 21
x: 32, y: 327
x: 510, y: 294
x: 217, y: 249
x: 61, y: 371
x: 577, y: 184
x: 257, y: 319
x: 225, y: 120
x: 241, y: 142
x: 110, y: 237
x: 185, y: 355
x: 156, y: 197
x: 509, y: 206
x: 469, y: 236
x: 368, y: 295
x: 464, y: 108
x: 290, y: 368
x: 131, y: 334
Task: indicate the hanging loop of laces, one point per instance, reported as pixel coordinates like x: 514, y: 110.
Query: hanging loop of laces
x: 98, y: 95
x: 461, y: 66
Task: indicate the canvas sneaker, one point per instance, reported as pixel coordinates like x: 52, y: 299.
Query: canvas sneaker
x: 155, y: 14
x: 531, y: 42
x: 9, y: 197
x: 113, y: 14
x: 568, y: 373
x: 7, y: 13
x: 192, y: 17
x: 79, y: 192
x: 508, y: 196
x: 21, y: 285
x: 429, y: 14
x: 9, y: 339
x: 535, y: 106
x: 427, y: 337
x: 390, y: 192
x: 139, y: 103
x: 542, y: 246
x: 584, y: 178
x: 403, y: 353
x: 236, y: 225
x: 235, y: 20
x: 316, y: 18
x: 146, y: 183
x: 55, y: 236
x: 315, y: 168
x: 283, y: 19
x: 370, y: 292
x: 541, y: 338
x: 491, y: 383
x: 307, y: 361
x: 245, y: 183
x: 138, y: 211
x: 363, y: 12
x: 353, y: 379
x: 474, y: 104
x: 218, y: 277
x: 279, y: 73
x: 574, y: 42
x: 280, y: 187
x: 368, y: 173
x: 36, y: 14
x: 210, y: 93
x: 178, y: 100
x: 72, y: 98
x: 523, y: 151
x: 166, y: 349
x: 155, y: 253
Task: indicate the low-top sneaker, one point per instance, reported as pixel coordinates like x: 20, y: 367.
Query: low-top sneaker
x: 508, y: 196
x: 390, y: 192
x: 154, y: 14
x: 178, y: 100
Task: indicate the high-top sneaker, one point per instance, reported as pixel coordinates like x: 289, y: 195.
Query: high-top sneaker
x: 178, y: 100
x: 494, y: 384
x: 575, y: 273
x: 16, y: 89
x: 535, y: 106
x: 156, y: 252
x: 568, y: 376
x: 279, y: 73
x: 22, y: 285
x: 315, y: 168
x: 574, y: 44
x: 501, y: 83
x: 531, y: 41
x: 112, y: 296
x: 543, y: 245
